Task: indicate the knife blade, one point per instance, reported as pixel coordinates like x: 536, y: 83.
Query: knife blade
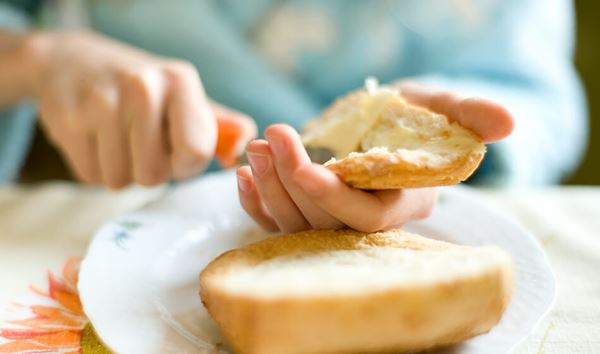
x: 317, y: 154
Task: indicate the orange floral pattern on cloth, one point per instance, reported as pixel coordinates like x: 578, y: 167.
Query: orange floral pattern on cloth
x: 49, y: 322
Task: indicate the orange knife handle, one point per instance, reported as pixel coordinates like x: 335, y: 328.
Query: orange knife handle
x: 228, y: 140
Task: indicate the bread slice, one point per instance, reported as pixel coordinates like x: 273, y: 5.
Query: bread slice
x: 349, y: 292
x: 382, y: 142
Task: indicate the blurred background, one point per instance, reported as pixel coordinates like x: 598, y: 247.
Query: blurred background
x: 587, y: 59
x: 48, y: 165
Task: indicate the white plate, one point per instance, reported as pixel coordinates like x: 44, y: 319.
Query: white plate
x: 139, y: 280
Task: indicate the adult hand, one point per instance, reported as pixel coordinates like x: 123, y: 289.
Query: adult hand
x: 120, y: 115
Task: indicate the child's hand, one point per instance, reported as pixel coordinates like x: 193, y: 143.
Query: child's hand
x: 120, y: 115
x: 284, y: 191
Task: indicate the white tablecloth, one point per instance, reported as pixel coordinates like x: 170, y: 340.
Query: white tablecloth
x: 40, y: 227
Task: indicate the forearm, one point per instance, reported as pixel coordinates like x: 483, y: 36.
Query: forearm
x: 17, y: 67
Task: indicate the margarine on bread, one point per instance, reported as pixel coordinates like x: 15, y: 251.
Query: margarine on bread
x: 382, y: 142
x: 349, y: 292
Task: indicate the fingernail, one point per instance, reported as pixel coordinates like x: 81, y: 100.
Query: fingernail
x: 260, y: 163
x: 277, y: 144
x: 243, y: 183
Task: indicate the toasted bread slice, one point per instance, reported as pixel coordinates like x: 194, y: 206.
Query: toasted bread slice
x: 349, y: 292
x: 382, y: 142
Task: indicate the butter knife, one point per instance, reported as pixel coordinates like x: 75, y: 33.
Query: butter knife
x: 316, y: 154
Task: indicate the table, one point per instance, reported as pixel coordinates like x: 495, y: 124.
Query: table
x: 42, y: 226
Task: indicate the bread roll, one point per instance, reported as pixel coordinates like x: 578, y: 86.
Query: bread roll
x: 382, y: 142
x: 349, y: 292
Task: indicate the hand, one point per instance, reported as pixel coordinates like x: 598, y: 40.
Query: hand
x: 283, y: 191
x: 120, y: 115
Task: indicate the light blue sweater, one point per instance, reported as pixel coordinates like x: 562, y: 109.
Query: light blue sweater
x: 283, y: 61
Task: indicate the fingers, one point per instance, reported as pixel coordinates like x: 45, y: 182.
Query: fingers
x: 191, y: 121
x: 112, y: 137
x: 273, y: 194
x: 143, y: 96
x: 407, y: 204
x: 488, y: 119
x: 285, y: 188
x: 251, y: 201
x: 298, y: 195
x: 147, y: 126
x: 364, y: 211
x: 81, y: 152
x: 289, y: 155
x: 346, y: 203
x: 77, y: 146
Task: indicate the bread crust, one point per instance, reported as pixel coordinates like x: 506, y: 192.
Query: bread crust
x: 397, y: 319
x: 390, y: 170
x: 387, y: 171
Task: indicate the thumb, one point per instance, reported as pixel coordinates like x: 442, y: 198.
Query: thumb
x: 488, y: 119
x: 234, y: 130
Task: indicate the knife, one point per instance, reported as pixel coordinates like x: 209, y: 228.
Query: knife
x: 316, y: 154
x: 231, y: 133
